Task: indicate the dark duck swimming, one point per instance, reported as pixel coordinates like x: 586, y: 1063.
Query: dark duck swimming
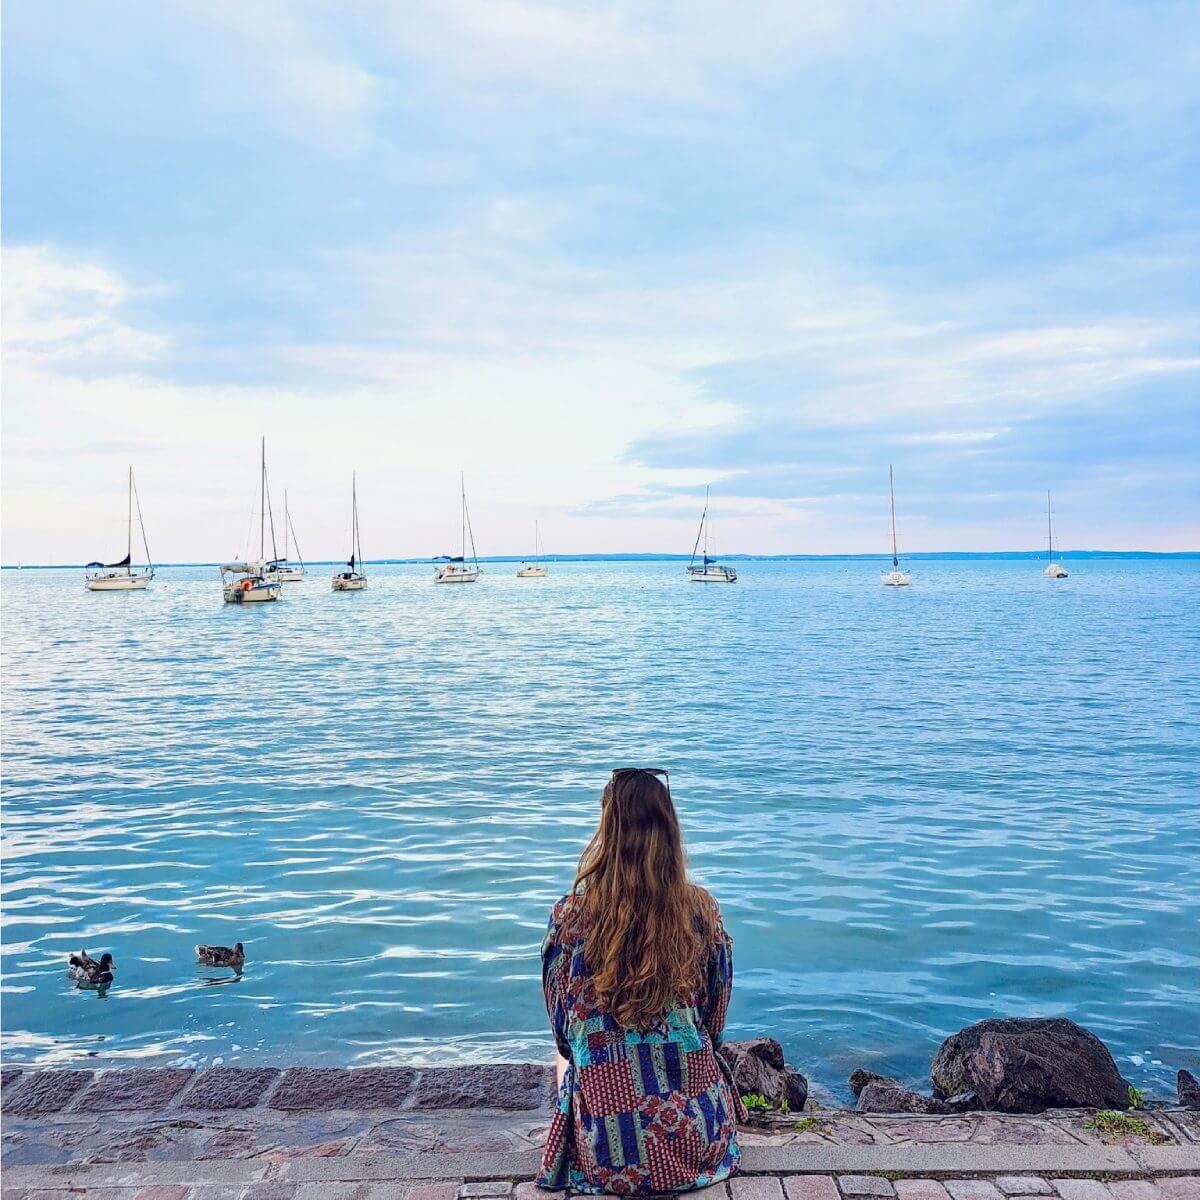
x: 222, y: 956
x: 87, y: 971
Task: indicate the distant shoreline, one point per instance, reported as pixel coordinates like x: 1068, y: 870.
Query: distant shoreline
x: 925, y: 556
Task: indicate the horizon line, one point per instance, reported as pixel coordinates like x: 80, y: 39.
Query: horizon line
x: 652, y: 556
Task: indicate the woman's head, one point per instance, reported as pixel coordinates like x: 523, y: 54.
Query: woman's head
x: 646, y: 923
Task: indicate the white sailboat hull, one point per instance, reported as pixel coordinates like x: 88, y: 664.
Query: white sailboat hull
x: 712, y: 575
x: 456, y: 575
x: 356, y: 584
x: 896, y: 579
x: 119, y: 583
x: 289, y: 575
x: 252, y: 591
x: 1054, y: 571
x: 532, y: 573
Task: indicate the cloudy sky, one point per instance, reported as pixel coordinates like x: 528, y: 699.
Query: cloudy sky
x: 597, y: 256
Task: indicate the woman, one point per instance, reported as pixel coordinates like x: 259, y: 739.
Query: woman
x: 637, y: 970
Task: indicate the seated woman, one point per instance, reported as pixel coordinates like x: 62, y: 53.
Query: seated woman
x: 637, y: 970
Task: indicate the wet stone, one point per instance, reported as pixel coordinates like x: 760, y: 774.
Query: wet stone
x: 39, y: 1092
x: 132, y: 1089
x: 224, y: 1088
x: 333, y: 1087
x: 512, y: 1086
x: 9, y: 1075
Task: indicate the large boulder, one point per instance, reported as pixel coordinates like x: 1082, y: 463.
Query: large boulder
x: 1188, y: 1087
x: 758, y: 1069
x: 1027, y: 1064
x: 860, y: 1078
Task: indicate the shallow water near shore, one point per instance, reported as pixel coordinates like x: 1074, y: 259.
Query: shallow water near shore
x: 918, y: 808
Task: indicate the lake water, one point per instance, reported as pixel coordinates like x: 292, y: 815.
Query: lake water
x: 918, y: 808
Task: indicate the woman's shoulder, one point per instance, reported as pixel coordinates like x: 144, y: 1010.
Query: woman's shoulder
x: 566, y: 916
x: 708, y: 914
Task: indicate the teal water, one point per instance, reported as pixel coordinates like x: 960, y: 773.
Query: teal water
x: 918, y: 808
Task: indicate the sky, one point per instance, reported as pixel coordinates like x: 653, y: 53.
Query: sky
x: 597, y: 257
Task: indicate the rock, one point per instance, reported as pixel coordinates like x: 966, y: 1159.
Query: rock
x: 887, y: 1096
x: 962, y: 1103
x: 1188, y: 1087
x: 758, y: 1069
x: 513, y: 1086
x: 1028, y: 1064
x: 860, y: 1078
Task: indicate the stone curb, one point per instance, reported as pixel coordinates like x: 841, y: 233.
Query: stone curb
x: 903, y: 1161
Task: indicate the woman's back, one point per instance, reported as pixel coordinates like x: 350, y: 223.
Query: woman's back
x: 643, y: 1104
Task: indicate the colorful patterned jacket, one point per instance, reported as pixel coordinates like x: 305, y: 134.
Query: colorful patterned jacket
x: 638, y: 1110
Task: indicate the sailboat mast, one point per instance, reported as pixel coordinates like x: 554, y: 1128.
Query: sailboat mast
x: 462, y: 480
x: 892, y: 495
x: 1049, y: 531
x: 353, y: 518
x: 262, y: 503
x: 285, y: 525
x: 129, y: 525
x: 706, y: 524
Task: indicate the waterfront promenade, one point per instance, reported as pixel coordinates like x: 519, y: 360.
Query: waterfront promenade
x: 234, y: 1133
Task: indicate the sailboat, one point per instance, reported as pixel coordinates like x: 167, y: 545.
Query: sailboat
x: 535, y: 568
x: 352, y: 578
x: 252, y: 582
x: 1054, y: 570
x: 282, y: 568
x: 895, y: 577
x: 120, y: 576
x: 456, y: 569
x: 709, y: 570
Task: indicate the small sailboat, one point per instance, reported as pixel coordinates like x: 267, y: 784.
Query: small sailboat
x: 252, y: 582
x: 895, y: 577
x: 352, y: 578
x: 1054, y: 570
x: 120, y: 576
x: 283, y: 568
x: 708, y: 570
x: 534, y: 568
x: 456, y: 569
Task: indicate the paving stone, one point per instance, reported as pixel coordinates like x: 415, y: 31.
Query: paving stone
x: 223, y: 1088
x: 755, y: 1187
x: 134, y: 1088
x: 1081, y: 1189
x: 9, y: 1075
x: 164, y: 1191
x: 1180, y: 1187
x: 447, y: 1191
x: 494, y: 1187
x: 920, y: 1189
x: 530, y: 1191
x: 972, y: 1189
x: 513, y: 1086
x: 810, y: 1187
x: 1134, y: 1189
x: 865, y: 1185
x: 390, y: 1190
x: 270, y: 1189
x: 332, y: 1087
x: 41, y: 1092
x: 1024, y: 1185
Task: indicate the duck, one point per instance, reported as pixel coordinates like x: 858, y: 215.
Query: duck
x: 222, y: 956
x: 89, y: 972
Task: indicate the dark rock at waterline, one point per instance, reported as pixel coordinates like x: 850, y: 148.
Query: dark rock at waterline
x: 758, y: 1069
x: 860, y: 1078
x: 887, y: 1096
x: 1188, y: 1087
x: 1028, y: 1064
x: 513, y: 1086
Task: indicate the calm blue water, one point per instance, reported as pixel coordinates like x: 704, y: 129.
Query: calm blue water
x: 918, y: 808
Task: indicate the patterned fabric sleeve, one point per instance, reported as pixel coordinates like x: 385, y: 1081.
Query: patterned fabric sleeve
x: 719, y: 984
x: 553, y: 961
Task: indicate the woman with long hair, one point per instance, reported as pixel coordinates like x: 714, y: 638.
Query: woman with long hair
x: 637, y: 970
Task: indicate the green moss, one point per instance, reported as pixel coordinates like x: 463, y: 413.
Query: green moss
x: 805, y: 1124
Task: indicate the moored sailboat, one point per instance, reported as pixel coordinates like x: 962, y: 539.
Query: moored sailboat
x: 456, y: 568
x: 352, y: 579
x: 252, y: 582
x: 895, y: 577
x: 1054, y: 570
x: 120, y: 576
x: 283, y: 568
x: 708, y: 570
x: 534, y: 568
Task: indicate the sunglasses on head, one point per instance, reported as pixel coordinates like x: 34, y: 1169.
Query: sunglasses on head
x: 622, y: 773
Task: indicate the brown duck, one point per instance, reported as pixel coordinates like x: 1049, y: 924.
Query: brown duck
x: 222, y: 956
x: 88, y: 972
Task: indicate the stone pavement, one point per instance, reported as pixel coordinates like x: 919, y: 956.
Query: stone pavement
x: 233, y: 1133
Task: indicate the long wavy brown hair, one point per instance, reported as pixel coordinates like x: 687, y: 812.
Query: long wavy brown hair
x: 646, y: 925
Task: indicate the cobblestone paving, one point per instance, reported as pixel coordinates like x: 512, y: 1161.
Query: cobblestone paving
x: 265, y: 1134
